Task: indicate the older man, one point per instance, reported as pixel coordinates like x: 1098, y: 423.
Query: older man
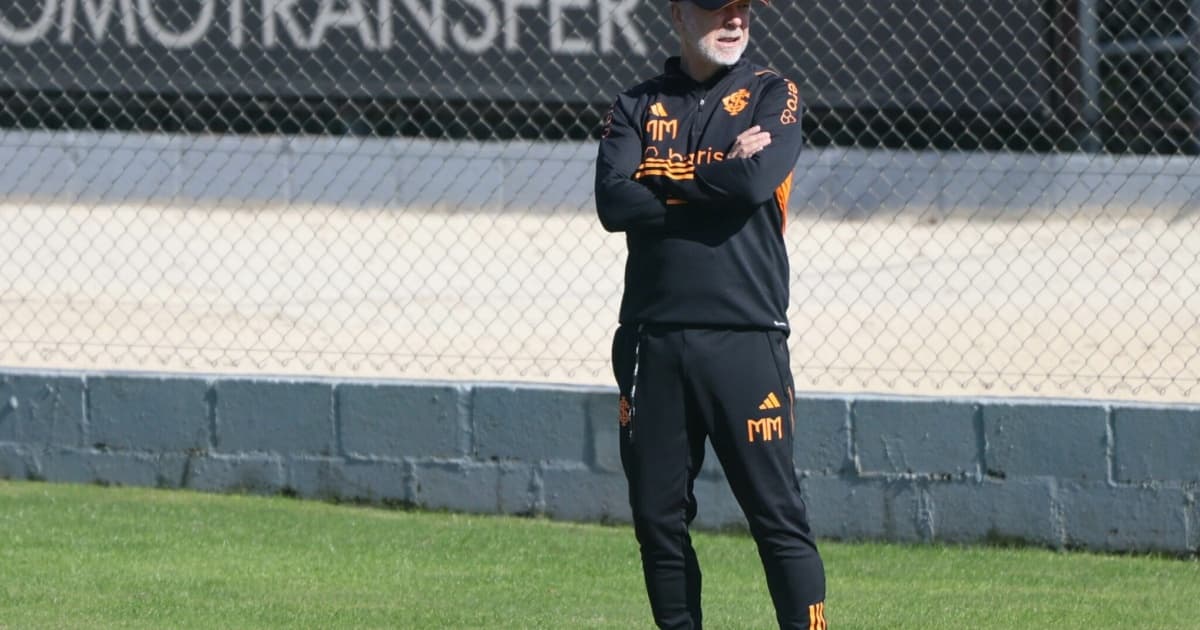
x: 695, y: 167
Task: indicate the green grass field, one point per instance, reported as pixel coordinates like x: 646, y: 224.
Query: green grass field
x: 89, y: 557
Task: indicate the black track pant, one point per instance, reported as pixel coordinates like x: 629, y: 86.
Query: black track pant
x: 679, y: 386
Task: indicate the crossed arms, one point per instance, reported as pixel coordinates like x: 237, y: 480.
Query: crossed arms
x: 759, y: 159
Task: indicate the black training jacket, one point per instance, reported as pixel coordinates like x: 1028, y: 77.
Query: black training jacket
x: 705, y: 234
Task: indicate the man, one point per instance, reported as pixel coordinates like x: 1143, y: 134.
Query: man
x: 695, y: 168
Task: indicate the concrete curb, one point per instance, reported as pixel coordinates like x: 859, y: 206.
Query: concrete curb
x: 1059, y: 474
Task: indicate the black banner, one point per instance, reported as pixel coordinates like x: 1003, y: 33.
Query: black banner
x: 973, y: 54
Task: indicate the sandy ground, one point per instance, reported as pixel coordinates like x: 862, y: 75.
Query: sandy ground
x: 1085, y: 306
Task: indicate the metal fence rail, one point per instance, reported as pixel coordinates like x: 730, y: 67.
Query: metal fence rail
x: 996, y: 197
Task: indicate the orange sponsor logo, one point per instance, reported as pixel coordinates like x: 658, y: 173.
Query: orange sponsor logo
x: 702, y: 156
x: 658, y: 129
x: 770, y: 402
x: 657, y: 167
x: 623, y: 412
x: 736, y: 102
x: 658, y: 110
x: 793, y: 103
x: 676, y: 165
x: 766, y: 429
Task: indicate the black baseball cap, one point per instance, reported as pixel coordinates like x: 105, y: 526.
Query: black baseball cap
x: 712, y: 5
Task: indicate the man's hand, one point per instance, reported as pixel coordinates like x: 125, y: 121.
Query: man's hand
x: 749, y: 142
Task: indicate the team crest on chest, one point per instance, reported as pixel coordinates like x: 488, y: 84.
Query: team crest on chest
x: 736, y: 102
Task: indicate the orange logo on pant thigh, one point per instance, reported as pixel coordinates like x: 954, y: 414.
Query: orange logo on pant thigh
x: 766, y: 428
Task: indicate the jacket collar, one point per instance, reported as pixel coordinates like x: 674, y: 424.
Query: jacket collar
x: 675, y: 72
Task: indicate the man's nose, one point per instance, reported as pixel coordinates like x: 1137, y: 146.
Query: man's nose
x: 734, y: 15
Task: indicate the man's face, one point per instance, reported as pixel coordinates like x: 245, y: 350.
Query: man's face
x: 716, y: 38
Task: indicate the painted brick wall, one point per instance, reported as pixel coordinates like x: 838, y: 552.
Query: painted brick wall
x: 1103, y: 476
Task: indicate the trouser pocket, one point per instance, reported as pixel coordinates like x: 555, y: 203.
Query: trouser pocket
x: 777, y: 341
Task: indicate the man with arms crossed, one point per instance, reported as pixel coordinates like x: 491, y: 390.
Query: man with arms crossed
x: 695, y: 167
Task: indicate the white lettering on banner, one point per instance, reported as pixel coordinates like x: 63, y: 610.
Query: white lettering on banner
x: 432, y: 20
x: 559, y: 42
x: 471, y: 26
x: 480, y: 43
x: 97, y: 14
x: 618, y: 12
x: 386, y: 32
x: 355, y: 16
x: 282, y: 9
x: 10, y: 34
x: 237, y: 36
x: 169, y: 39
x: 512, y: 21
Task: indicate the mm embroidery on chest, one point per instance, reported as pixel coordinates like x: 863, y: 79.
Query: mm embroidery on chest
x: 661, y: 126
x: 666, y: 161
x: 736, y: 102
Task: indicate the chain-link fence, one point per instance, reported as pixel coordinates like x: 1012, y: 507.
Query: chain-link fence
x: 996, y: 197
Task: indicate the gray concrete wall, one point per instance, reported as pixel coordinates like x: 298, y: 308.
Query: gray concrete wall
x: 249, y: 171
x: 1101, y: 476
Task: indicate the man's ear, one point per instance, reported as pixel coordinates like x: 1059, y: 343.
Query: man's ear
x: 676, y: 14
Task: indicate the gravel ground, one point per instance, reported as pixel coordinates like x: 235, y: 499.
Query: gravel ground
x: 1088, y: 305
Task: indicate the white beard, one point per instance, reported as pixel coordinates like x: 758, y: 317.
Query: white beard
x: 721, y: 57
x: 708, y: 49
